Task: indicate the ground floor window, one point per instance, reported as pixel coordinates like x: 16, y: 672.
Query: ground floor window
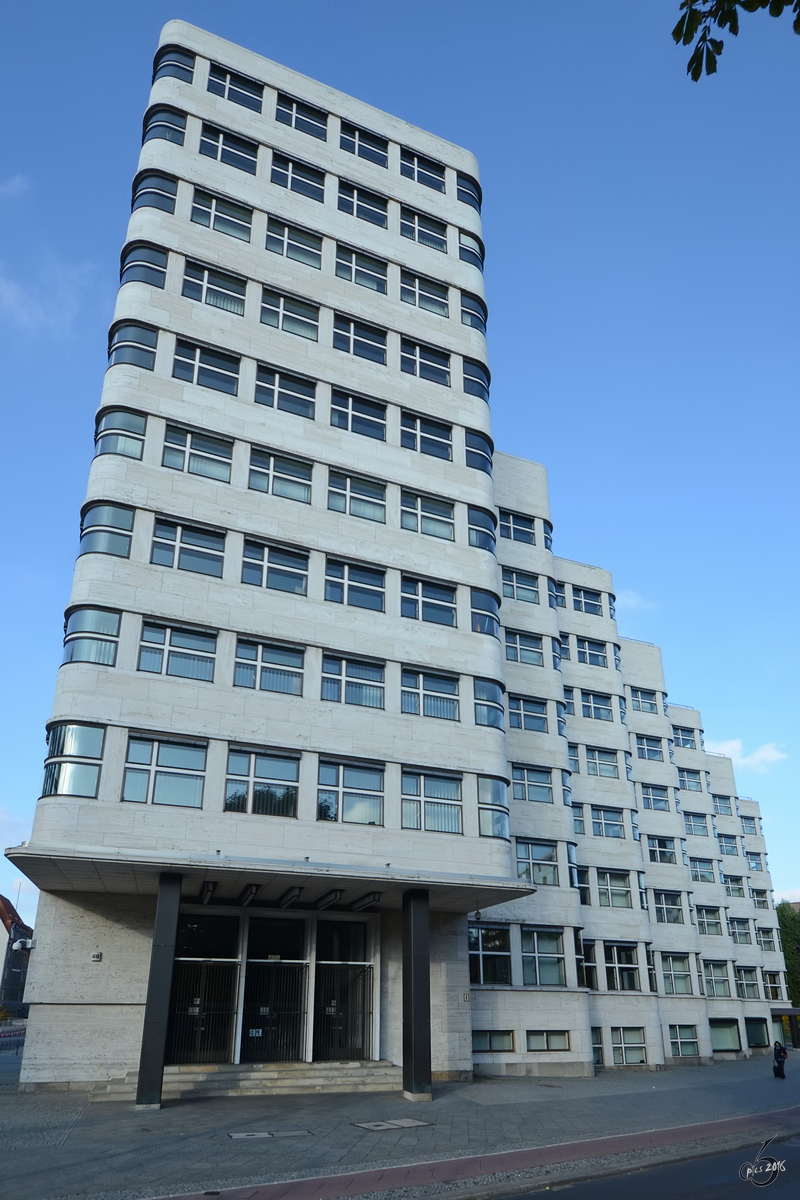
x: 547, y: 1039
x: 725, y: 1034
x: 597, y: 1045
x: 756, y: 1030
x: 683, y: 1041
x: 492, y: 1039
x: 628, y: 1045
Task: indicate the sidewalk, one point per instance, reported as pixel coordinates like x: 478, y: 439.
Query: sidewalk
x: 480, y: 1138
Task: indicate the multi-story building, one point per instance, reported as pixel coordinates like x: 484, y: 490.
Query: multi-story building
x: 343, y: 762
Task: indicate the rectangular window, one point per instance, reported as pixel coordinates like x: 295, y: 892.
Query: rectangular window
x: 426, y: 436
x: 661, y: 849
x: 734, y: 886
x: 429, y: 695
x: 547, y: 1039
x: 655, y: 797
x: 527, y: 714
x: 206, y: 367
x: 602, y: 762
x: 722, y: 806
x: 622, y: 972
x: 269, y: 667
x: 425, y: 361
x: 227, y: 148
x: 765, y: 939
x: 586, y: 601
x: 607, y: 822
x: 649, y: 748
x: 754, y: 861
x: 366, y: 417
x: 276, y: 568
x: 424, y: 514
x: 262, y: 783
x: 492, y: 1039
x: 101, y: 527
x: 524, y: 648
x: 302, y: 116
x: 359, y: 683
x: 360, y: 202
x: 425, y: 230
x: 185, y: 653
x: 643, y: 701
x: 518, y: 585
x: 556, y: 594
x: 237, y: 88
x: 350, y: 793
x: 217, y: 288
x: 597, y: 1045
x: 364, y: 341
x: 360, y: 268
x: 677, y: 976
x: 760, y: 899
x: 298, y: 177
x: 287, y: 477
x: 574, y: 759
x: 689, y: 780
x: 489, y: 954
x: 614, y: 889
x: 669, y: 910
x: 81, y: 643
x: 684, y: 737
x: 538, y: 861
x: 582, y: 874
x: 289, y: 314
x: 295, y: 243
x: 749, y: 826
x: 366, y: 145
x: 432, y: 799
x: 224, y: 216
x: 739, y: 929
x: 164, y: 772
x: 517, y: 528
x: 489, y: 703
x: 358, y: 497
x: 424, y: 293
x: 532, y: 783
x: 360, y: 587
x: 683, y: 1041
x: 747, y: 983
x: 293, y: 394
x: 725, y: 1034
x: 708, y: 922
x: 702, y: 870
x: 197, y: 453
x: 772, y: 985
x: 434, y: 602
x: 696, y: 824
x: 592, y: 653
x: 542, y: 958
x: 73, y: 777
x: 422, y: 170
x: 187, y: 548
x: 596, y: 706
x: 728, y: 843
x: 716, y: 979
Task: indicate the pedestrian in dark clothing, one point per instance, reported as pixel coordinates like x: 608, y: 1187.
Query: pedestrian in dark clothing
x: 780, y: 1054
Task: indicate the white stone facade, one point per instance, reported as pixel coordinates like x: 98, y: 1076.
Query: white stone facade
x: 409, y: 530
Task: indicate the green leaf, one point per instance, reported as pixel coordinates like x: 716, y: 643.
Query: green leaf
x: 678, y: 31
x: 716, y: 45
x: 694, y: 67
x: 711, y: 61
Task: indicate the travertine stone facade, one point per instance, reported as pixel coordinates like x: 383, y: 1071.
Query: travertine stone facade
x: 318, y: 640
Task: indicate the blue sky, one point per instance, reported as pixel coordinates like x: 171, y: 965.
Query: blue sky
x: 642, y: 273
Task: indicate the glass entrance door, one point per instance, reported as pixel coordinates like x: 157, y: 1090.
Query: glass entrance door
x: 342, y: 993
x: 275, y: 991
x: 204, y: 985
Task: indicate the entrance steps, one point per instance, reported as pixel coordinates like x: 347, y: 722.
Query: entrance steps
x: 261, y: 1079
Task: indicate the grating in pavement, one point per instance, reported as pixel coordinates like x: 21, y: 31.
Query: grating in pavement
x: 279, y: 1134
x: 403, y: 1123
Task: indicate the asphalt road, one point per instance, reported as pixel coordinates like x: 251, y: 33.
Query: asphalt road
x: 714, y: 1178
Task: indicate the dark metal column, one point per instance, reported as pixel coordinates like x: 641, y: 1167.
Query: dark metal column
x: 159, y: 985
x: 416, y: 996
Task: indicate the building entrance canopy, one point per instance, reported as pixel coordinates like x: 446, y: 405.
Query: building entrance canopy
x: 321, y: 885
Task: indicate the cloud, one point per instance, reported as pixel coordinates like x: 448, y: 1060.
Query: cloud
x: 632, y: 602
x: 14, y: 186
x: 760, y: 759
x: 791, y: 894
x: 50, y: 304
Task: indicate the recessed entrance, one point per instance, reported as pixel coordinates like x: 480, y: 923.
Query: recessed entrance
x: 204, y: 987
x: 275, y: 991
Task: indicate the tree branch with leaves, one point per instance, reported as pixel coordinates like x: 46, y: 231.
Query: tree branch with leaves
x: 699, y: 17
